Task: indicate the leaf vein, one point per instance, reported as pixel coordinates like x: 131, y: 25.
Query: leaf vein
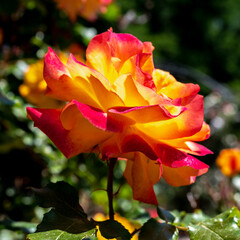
x: 63, y: 231
x: 209, y: 229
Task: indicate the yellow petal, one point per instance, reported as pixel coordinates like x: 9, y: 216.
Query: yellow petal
x: 141, y: 175
x: 127, y: 90
x: 181, y: 176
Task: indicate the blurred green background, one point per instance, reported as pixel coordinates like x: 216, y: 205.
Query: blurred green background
x: 196, y: 41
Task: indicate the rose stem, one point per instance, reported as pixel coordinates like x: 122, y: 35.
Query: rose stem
x: 111, y: 163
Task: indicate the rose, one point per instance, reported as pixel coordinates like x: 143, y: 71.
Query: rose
x: 87, y: 9
x: 229, y: 161
x: 119, y: 104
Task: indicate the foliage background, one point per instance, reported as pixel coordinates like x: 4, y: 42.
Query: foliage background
x: 196, y: 41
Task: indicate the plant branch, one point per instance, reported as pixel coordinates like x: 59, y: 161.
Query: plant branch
x: 135, y: 231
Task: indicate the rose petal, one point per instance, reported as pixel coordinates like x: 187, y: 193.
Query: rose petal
x: 82, y: 137
x: 174, y: 158
x: 134, y: 142
x: 124, y: 46
x: 128, y: 67
x: 82, y: 84
x: 197, y: 149
x: 187, y: 145
x: 126, y: 88
x: 141, y: 175
x: 95, y: 116
x: 181, y: 176
x: 186, y: 124
x: 149, y: 94
x: 145, y: 114
x: 140, y: 66
x: 77, y: 69
x: 111, y: 149
x: 104, y: 46
x: 162, y: 79
x: 166, y: 84
x: 106, y: 97
x: 53, y: 68
x: 145, y: 64
x: 98, y: 56
x: 98, y: 86
x: 148, y: 47
x: 61, y: 85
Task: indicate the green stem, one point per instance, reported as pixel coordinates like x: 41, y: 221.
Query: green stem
x: 185, y: 229
x: 111, y: 163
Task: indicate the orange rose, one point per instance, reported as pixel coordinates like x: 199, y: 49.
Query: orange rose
x: 34, y: 87
x: 119, y: 103
x: 88, y: 9
x: 229, y: 161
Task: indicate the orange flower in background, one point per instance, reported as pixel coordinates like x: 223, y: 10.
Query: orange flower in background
x: 229, y: 161
x: 128, y: 225
x: 34, y: 85
x: 88, y: 9
x: 119, y: 104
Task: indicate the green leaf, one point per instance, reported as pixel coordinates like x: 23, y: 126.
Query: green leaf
x: 194, y: 218
x: 165, y: 215
x: 61, y: 235
x: 54, y: 220
x: 66, y: 214
x: 222, y: 227
x: 25, y: 227
x: 62, y: 197
x: 113, y: 229
x: 5, y: 100
x: 154, y: 230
